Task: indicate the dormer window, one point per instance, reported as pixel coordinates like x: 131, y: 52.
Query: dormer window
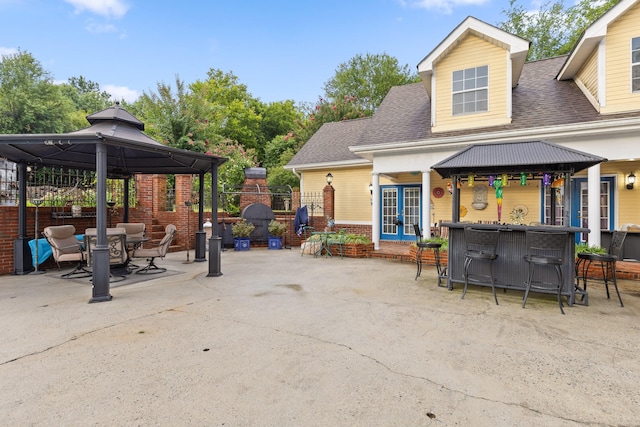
x: 471, y: 90
x: 635, y: 64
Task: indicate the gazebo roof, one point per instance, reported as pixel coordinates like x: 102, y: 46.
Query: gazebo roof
x: 515, y: 157
x: 129, y: 150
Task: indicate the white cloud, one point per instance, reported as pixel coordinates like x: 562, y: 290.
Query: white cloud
x: 5, y: 51
x: 106, y: 8
x: 121, y: 92
x: 96, y: 28
x: 444, y: 6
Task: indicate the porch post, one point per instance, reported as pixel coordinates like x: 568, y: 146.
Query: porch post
x: 593, y: 189
x: 426, y: 203
x: 375, y: 210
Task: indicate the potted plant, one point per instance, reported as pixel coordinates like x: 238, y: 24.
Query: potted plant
x: 277, y: 230
x: 241, y: 232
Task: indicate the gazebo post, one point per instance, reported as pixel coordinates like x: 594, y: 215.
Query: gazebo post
x: 201, y: 237
x: 215, y: 242
x: 21, y: 251
x: 100, y: 289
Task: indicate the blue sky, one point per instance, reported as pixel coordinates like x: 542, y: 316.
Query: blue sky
x: 280, y: 49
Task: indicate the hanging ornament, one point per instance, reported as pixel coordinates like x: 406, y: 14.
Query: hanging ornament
x: 523, y: 179
x: 497, y: 184
x: 546, y: 179
x: 471, y: 180
x: 505, y: 180
x: 491, y: 180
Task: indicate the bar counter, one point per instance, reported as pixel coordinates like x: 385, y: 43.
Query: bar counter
x: 510, y: 269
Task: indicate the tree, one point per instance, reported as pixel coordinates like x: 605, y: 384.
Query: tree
x: 86, y: 97
x: 552, y: 30
x: 29, y: 101
x: 345, y: 108
x: 367, y: 80
x: 226, y: 103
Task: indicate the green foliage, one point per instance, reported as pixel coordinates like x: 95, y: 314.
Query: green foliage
x: 29, y: 100
x: 231, y: 173
x: 582, y: 248
x: 367, y: 80
x: 351, y: 238
x: 226, y: 110
x: 277, y: 228
x: 86, y: 95
x: 444, y: 242
x: 344, y: 108
x: 242, y: 228
x: 280, y: 177
x: 552, y: 30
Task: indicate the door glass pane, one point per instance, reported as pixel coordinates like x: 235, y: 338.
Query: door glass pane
x: 411, y: 211
x: 389, y: 210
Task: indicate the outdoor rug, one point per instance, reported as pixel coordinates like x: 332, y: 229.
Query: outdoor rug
x: 129, y: 279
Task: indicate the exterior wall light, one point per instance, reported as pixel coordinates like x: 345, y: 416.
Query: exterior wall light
x: 329, y: 178
x: 631, y: 179
x: 371, y: 189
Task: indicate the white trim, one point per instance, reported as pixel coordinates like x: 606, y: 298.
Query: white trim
x: 592, y: 99
x: 433, y: 100
x: 603, y: 127
x: 508, y: 89
x: 338, y: 164
x: 602, y: 74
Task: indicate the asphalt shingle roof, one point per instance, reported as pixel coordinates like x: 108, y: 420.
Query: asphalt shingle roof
x: 539, y: 100
x: 331, y: 143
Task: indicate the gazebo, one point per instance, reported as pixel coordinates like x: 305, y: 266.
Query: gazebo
x: 114, y: 146
x: 533, y: 158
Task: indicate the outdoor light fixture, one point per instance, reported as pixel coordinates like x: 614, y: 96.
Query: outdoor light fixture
x: 631, y: 179
x: 371, y: 188
x: 329, y: 178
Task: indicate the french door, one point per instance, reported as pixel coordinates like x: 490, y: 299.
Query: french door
x: 580, y: 205
x: 400, y: 210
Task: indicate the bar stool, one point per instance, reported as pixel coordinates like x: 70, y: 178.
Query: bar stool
x: 426, y: 245
x: 545, y: 249
x: 607, y: 262
x: 481, y: 247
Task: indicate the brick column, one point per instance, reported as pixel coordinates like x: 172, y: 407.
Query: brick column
x: 328, y: 195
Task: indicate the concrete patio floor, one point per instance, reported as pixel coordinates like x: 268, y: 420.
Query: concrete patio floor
x: 281, y: 339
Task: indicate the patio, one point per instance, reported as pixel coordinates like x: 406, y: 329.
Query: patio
x: 311, y: 341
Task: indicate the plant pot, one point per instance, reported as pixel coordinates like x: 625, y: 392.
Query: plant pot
x: 241, y: 243
x: 275, y: 242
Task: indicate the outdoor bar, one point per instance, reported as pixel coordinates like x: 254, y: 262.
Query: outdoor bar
x: 510, y: 268
x: 537, y: 160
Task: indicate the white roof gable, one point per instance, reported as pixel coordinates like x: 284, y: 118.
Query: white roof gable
x: 518, y: 47
x: 591, y: 37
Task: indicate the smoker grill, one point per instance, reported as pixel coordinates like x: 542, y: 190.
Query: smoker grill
x: 259, y: 215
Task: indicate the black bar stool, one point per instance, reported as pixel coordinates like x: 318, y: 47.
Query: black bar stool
x: 607, y: 263
x: 481, y: 247
x: 426, y: 245
x: 545, y: 249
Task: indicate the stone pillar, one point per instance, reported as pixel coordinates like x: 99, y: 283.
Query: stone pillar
x: 328, y: 195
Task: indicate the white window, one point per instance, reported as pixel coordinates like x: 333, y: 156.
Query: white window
x: 635, y: 64
x: 470, y: 90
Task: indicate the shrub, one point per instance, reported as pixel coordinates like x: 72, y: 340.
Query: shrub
x: 242, y: 228
x: 277, y: 228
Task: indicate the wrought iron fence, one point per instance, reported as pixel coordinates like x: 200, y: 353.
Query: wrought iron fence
x: 59, y: 187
